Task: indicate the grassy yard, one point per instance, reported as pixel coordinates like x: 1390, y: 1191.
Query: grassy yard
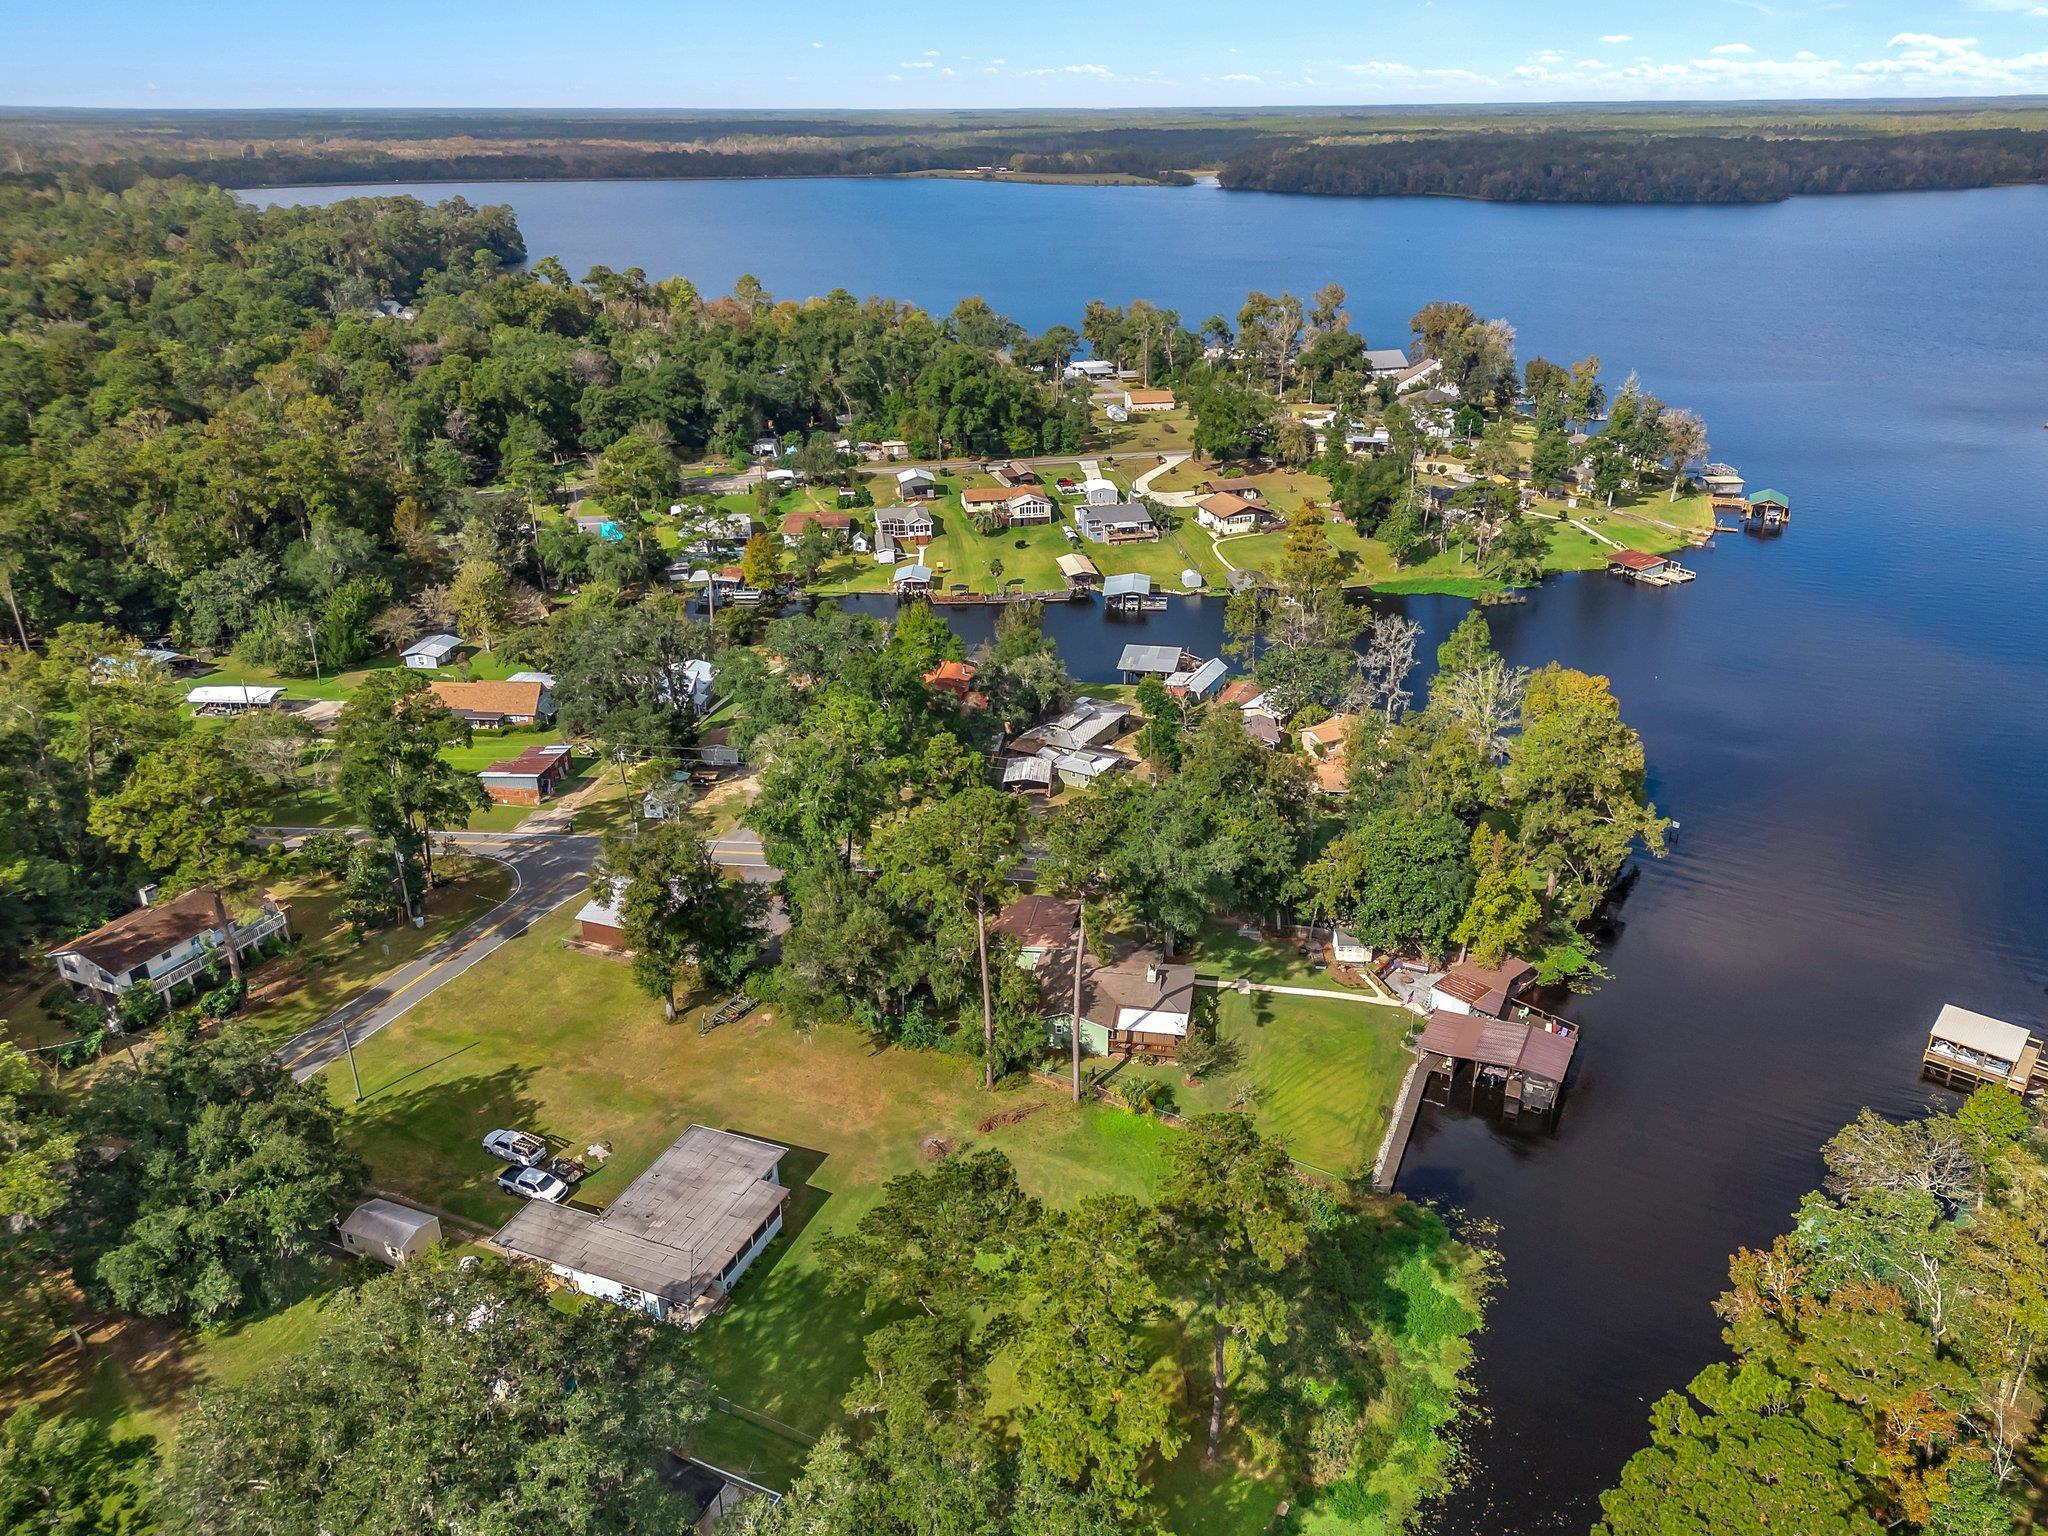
x: 329, y: 967
x: 1326, y: 1072
x: 590, y: 1059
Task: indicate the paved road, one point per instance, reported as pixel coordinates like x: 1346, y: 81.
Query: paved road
x: 548, y: 871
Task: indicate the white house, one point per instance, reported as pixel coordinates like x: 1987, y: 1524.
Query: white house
x: 1419, y: 376
x: 1100, y: 493
x: 1386, y: 360
x: 159, y: 945
x: 677, y: 1239
x: 432, y: 651
x: 1227, y: 512
x: 1090, y: 368
x: 232, y: 698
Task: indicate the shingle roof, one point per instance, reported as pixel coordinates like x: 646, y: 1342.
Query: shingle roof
x: 1039, y: 922
x: 490, y: 698
x: 145, y: 933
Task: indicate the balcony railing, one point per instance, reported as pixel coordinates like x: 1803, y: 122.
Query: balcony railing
x: 247, y: 937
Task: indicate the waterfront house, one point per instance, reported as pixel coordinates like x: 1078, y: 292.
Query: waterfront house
x: 1090, y: 723
x: 1967, y: 1050
x: 214, y: 699
x: 1115, y: 522
x: 1090, y: 368
x: 1146, y: 401
x: 1228, y: 512
x: 797, y: 524
x: 493, y: 705
x: 529, y: 778
x: 912, y: 580
x: 389, y: 1232
x: 160, y: 944
x: 906, y: 525
x: 677, y: 1239
x: 432, y: 651
x: 1016, y: 505
x: 1191, y: 685
x: 1469, y: 987
x: 1386, y: 361
x: 1418, y: 375
x: 1134, y: 1002
x: 957, y: 679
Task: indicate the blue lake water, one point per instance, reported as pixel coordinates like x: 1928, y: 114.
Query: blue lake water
x: 1850, y: 722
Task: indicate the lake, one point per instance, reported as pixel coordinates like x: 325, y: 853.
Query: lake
x: 1847, y: 721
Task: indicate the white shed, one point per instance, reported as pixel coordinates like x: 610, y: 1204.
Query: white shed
x: 389, y: 1232
x: 432, y: 651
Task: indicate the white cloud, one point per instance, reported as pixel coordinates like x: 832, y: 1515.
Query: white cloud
x: 1075, y: 69
x: 931, y: 53
x: 817, y: 45
x: 914, y: 64
x: 1616, y: 37
x: 1731, y: 49
x: 1243, y: 79
x: 1387, y: 69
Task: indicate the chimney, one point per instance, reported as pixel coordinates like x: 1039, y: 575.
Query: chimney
x: 146, y: 896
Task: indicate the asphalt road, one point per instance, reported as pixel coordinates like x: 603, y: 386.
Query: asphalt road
x: 548, y: 871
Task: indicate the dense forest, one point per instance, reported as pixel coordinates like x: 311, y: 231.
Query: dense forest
x: 1577, y: 167
x: 1522, y: 154
x: 1886, y: 1370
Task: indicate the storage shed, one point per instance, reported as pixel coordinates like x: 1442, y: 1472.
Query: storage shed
x: 389, y: 1232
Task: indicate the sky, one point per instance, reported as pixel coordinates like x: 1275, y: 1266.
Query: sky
x: 908, y: 54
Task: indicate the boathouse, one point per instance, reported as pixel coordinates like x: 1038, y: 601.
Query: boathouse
x: 1525, y: 1062
x: 1967, y: 1050
x: 1771, y: 509
x: 1126, y: 592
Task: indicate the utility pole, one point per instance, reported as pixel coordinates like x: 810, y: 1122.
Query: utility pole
x: 405, y: 888
x: 355, y: 1077
x: 315, y: 644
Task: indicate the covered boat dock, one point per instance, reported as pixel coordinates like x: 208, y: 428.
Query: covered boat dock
x: 1527, y: 1062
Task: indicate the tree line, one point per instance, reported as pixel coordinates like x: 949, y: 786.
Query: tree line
x: 1567, y: 166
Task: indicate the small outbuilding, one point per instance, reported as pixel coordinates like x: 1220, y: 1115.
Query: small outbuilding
x: 431, y: 651
x: 389, y: 1232
x: 232, y: 698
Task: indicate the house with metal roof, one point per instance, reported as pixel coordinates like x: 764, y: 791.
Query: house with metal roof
x: 677, y: 1239
x: 431, y: 651
x: 1115, y: 522
x: 1196, y: 684
x: 232, y: 698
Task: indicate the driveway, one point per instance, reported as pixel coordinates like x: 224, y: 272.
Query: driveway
x: 548, y: 871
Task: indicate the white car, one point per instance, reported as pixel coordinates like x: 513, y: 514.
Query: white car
x: 533, y: 1184
x: 520, y: 1148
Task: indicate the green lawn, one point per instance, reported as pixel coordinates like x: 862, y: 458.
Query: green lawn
x: 1326, y: 1072
x: 328, y: 967
x: 590, y: 1059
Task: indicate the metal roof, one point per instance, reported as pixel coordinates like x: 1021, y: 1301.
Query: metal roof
x: 434, y: 645
x: 674, y: 1229
x: 1149, y: 658
x: 1128, y: 584
x: 1980, y: 1032
x: 234, y: 693
x: 386, y: 1221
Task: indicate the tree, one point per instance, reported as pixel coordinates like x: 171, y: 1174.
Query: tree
x: 209, y: 1168
x: 186, y: 811
x: 677, y: 909
x: 392, y: 775
x: 954, y: 853
x: 1397, y: 880
x: 65, y: 1477
x: 481, y: 597
x: 1503, y: 911
x: 761, y: 564
x: 1097, y: 1404
x: 948, y: 1239
x: 1575, y: 785
x: 1082, y: 840
x: 1234, y: 1212
x: 561, y: 1418
x: 637, y: 474
x: 1685, y: 436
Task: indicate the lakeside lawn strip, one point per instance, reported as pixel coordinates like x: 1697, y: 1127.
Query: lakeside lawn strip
x: 592, y: 1060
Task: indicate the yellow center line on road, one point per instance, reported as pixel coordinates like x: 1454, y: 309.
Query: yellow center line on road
x: 439, y: 965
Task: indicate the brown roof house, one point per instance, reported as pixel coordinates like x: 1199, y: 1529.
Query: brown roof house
x: 676, y: 1239
x: 160, y: 944
x: 1469, y: 987
x: 530, y: 777
x: 1327, y: 744
x: 494, y: 704
x: 1135, y: 1002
